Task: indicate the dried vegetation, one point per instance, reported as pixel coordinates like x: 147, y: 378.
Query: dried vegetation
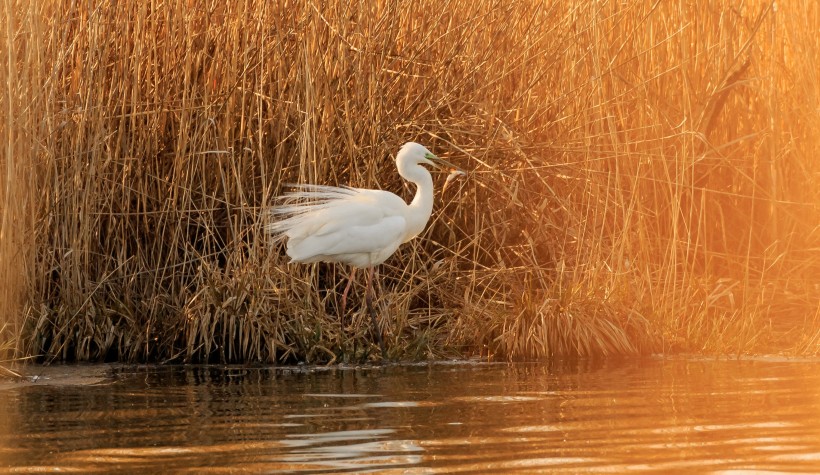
x: 645, y: 176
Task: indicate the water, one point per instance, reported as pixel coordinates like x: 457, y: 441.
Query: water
x: 654, y: 415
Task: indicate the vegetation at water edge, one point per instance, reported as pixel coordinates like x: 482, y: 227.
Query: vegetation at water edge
x: 644, y: 177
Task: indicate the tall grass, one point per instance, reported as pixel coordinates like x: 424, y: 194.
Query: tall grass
x: 644, y: 176
x: 15, y: 206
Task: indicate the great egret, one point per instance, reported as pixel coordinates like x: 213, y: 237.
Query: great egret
x: 357, y: 226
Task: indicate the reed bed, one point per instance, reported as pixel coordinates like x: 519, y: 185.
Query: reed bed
x: 15, y: 202
x: 644, y: 177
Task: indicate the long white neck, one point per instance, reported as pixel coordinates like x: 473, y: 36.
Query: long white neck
x: 419, y: 210
x: 423, y: 200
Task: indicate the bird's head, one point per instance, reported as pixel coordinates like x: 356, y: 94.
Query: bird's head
x: 413, y: 153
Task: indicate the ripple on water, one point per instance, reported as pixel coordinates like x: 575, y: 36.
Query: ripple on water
x: 632, y: 415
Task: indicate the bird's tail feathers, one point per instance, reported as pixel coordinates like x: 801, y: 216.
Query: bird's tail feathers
x: 292, y: 208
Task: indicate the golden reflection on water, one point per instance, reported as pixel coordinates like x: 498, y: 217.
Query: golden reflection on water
x: 637, y: 415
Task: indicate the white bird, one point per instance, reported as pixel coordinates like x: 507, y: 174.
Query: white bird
x: 357, y: 226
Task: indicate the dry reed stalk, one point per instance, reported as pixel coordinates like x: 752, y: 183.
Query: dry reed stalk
x: 644, y: 177
x: 16, y: 120
x: 8, y: 282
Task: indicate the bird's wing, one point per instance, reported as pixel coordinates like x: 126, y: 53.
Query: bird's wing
x: 340, y: 224
x: 362, y: 208
x: 356, y: 244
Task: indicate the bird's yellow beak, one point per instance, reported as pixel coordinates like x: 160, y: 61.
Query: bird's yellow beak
x: 454, y: 171
x: 443, y: 164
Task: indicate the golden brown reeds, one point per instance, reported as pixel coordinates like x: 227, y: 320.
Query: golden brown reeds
x: 15, y: 206
x: 644, y: 175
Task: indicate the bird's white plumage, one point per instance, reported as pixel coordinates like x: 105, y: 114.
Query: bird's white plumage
x: 351, y: 225
x: 356, y: 226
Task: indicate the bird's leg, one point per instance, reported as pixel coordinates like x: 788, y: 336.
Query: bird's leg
x: 369, y: 298
x: 343, y: 305
x: 344, y: 294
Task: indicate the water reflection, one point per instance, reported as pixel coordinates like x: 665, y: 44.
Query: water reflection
x: 610, y: 416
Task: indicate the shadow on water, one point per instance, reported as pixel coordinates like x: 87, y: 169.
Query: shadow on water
x: 651, y: 414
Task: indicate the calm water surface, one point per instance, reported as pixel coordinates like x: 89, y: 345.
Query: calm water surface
x: 641, y: 415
